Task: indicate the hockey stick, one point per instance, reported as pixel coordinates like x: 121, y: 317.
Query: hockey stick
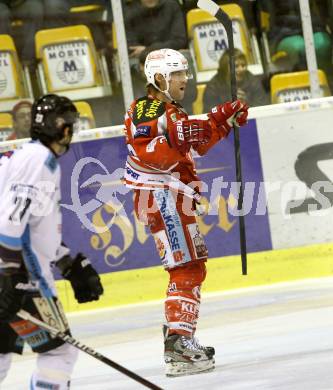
x: 212, y: 8
x: 70, y: 340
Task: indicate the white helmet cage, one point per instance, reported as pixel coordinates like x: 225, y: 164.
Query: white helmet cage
x: 165, y: 62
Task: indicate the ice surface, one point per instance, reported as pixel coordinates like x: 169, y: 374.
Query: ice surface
x: 276, y: 337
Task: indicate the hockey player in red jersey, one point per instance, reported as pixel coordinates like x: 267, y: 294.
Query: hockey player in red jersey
x: 160, y: 168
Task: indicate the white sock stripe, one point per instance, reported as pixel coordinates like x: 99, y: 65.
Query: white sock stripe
x: 181, y: 325
x: 179, y: 298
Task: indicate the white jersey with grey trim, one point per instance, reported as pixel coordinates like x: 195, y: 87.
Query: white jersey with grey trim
x: 30, y: 218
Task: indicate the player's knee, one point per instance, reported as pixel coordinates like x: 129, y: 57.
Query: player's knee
x: 55, y: 367
x: 202, y: 270
x: 5, y: 360
x: 62, y: 358
x: 189, y: 276
x: 197, y: 271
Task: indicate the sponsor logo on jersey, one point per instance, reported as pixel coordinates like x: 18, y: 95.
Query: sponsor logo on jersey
x: 152, y: 109
x: 160, y: 248
x: 30, y: 333
x: 180, y: 131
x: 132, y: 173
x: 147, y: 110
x: 38, y: 339
x: 163, y: 248
x: 178, y: 256
x: 173, y: 227
x: 139, y: 108
x: 173, y: 117
x: 24, y: 328
x: 142, y: 131
x: 24, y: 190
x: 198, y: 242
x: 168, y: 222
x: 172, y: 287
x: 188, y: 307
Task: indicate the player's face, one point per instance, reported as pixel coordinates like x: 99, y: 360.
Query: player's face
x: 22, y: 121
x: 177, y: 84
x: 64, y: 143
x: 240, y: 66
x: 70, y: 125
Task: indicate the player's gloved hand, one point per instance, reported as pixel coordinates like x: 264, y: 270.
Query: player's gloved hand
x: 84, y: 279
x: 185, y: 134
x: 11, y: 295
x: 225, y: 116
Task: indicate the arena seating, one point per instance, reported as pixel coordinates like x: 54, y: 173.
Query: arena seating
x: 264, y: 24
x: 87, y: 119
x: 198, y: 103
x: 289, y: 87
x: 70, y: 64
x: 14, y: 80
x: 208, y: 40
x: 95, y: 11
x: 6, y: 125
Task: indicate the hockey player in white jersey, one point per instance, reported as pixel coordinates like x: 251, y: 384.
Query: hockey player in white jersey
x: 30, y: 246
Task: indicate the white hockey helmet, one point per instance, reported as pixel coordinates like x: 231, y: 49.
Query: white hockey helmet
x: 165, y: 62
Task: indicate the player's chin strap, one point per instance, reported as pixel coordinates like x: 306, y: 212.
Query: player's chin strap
x: 167, y: 94
x: 166, y: 91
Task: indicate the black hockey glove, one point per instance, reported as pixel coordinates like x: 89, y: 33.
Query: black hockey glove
x: 84, y: 279
x: 11, y: 295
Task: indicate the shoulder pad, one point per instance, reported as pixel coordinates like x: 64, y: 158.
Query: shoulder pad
x: 147, y: 109
x: 51, y: 162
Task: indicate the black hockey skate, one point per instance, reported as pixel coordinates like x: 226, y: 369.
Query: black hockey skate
x: 183, y: 355
x: 210, y: 351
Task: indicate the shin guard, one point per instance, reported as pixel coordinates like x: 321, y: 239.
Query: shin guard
x: 183, y: 297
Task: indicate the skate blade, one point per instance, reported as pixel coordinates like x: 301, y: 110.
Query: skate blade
x: 174, y: 369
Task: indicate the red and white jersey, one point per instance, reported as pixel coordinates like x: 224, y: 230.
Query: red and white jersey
x: 152, y: 162
x: 30, y: 218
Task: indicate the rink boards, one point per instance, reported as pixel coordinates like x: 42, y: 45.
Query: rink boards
x: 285, y: 150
